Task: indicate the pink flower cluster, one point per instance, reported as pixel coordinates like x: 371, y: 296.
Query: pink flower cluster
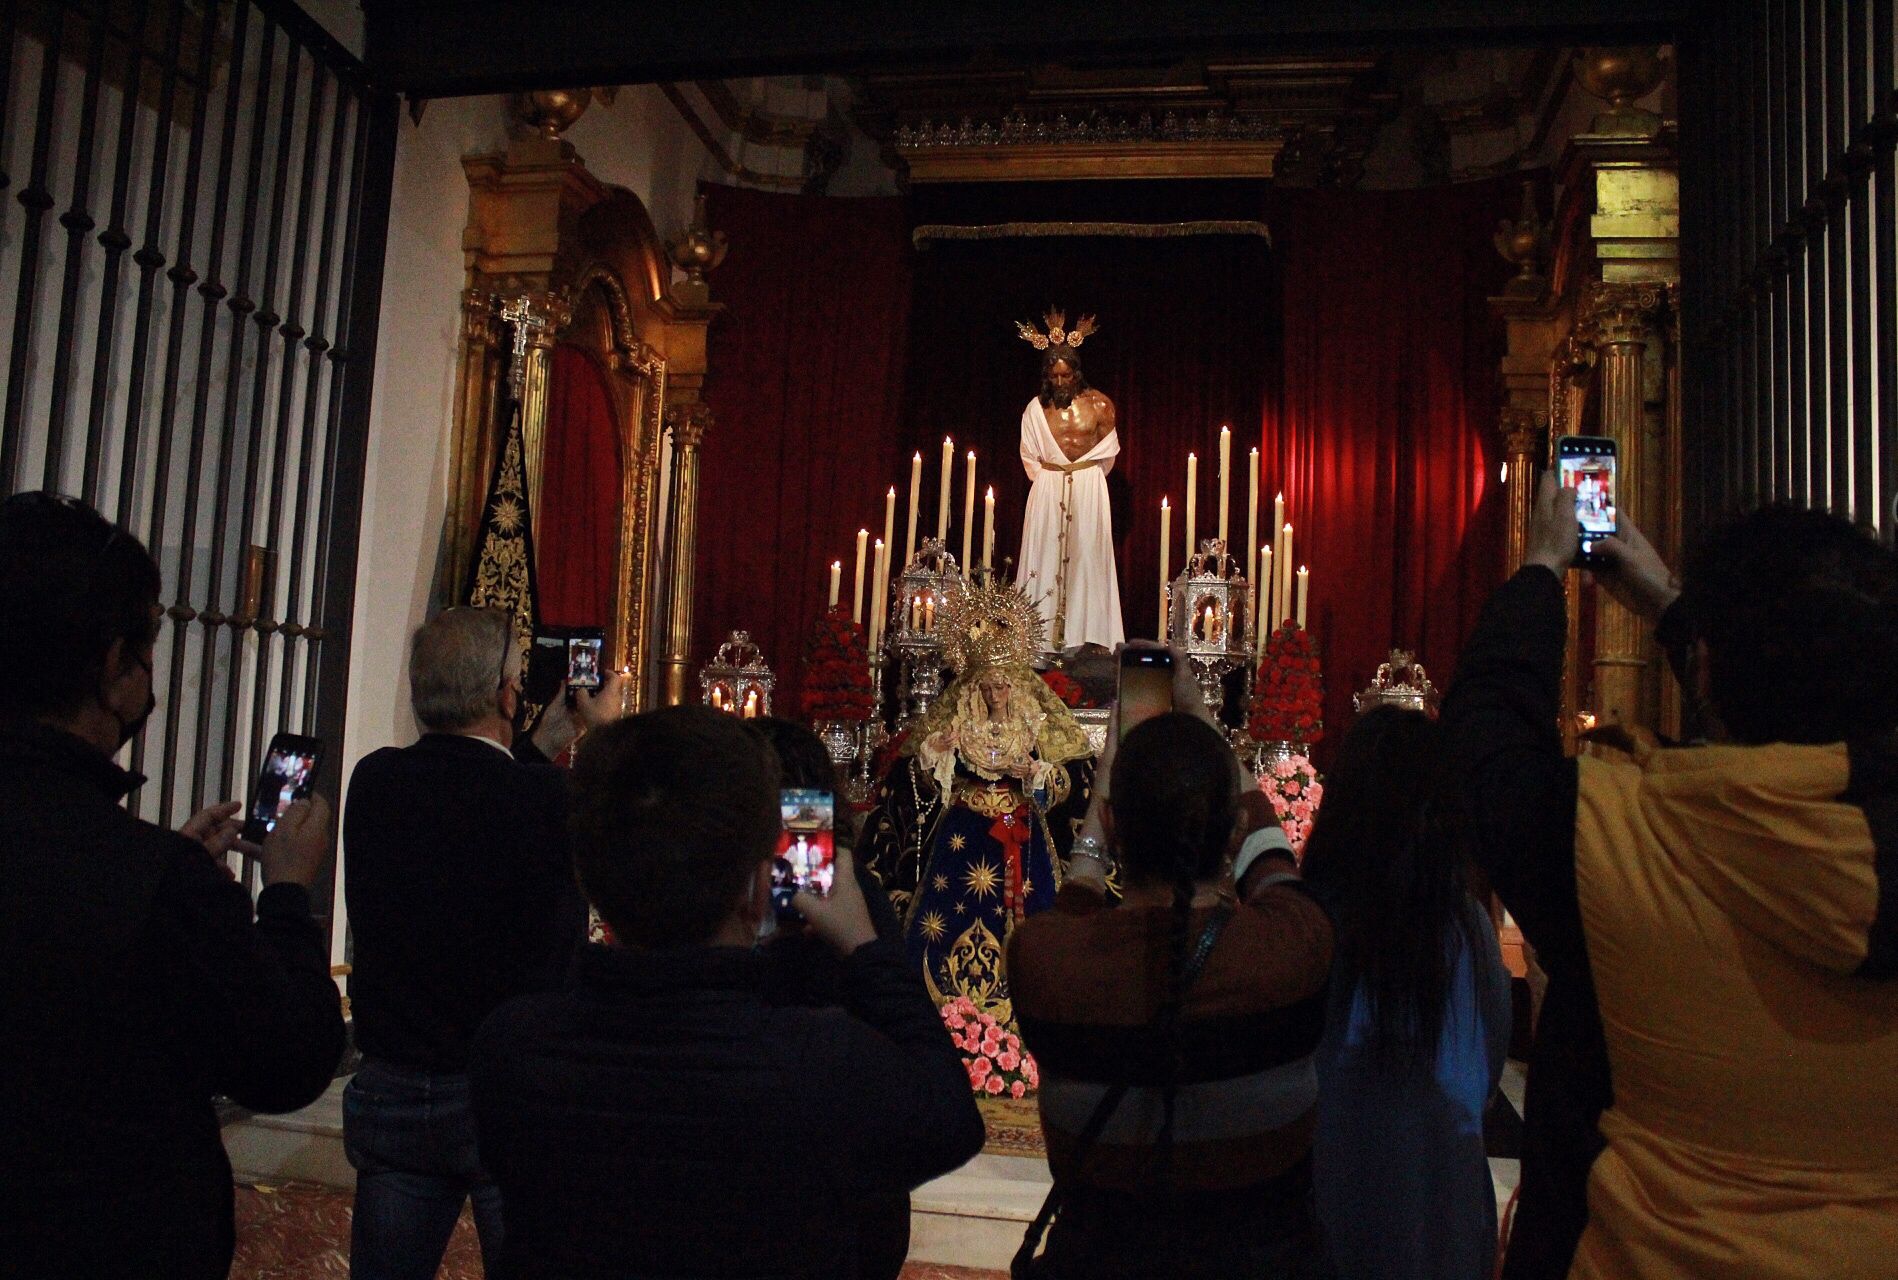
x: 995, y: 1061
x: 1293, y: 787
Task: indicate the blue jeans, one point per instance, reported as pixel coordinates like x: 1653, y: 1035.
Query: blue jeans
x: 410, y: 1136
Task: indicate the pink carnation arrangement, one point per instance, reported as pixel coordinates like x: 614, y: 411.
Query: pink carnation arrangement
x: 1292, y: 785
x: 992, y: 1054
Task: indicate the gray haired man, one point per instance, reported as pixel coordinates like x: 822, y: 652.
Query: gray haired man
x: 461, y: 895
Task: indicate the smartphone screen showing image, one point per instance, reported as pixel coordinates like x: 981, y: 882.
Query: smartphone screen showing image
x: 583, y: 661
x: 289, y: 772
x: 806, y: 856
x: 1146, y: 686
x: 1586, y: 467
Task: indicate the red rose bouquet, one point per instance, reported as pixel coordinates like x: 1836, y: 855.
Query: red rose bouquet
x: 1288, y: 694
x: 837, y: 670
x: 1066, y: 687
x: 992, y: 1054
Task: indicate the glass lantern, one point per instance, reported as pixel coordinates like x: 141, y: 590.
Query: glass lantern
x: 737, y: 681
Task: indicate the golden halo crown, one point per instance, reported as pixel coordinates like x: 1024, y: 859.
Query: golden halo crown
x: 1058, y: 335
x: 991, y: 624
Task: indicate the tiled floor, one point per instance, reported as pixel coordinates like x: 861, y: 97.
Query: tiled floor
x: 294, y: 1232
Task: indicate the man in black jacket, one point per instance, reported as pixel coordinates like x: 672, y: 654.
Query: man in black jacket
x: 461, y: 895
x: 662, y: 1116
x: 139, y: 984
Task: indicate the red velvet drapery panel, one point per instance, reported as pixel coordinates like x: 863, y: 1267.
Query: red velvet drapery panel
x: 577, y: 549
x: 1385, y: 435
x: 806, y: 381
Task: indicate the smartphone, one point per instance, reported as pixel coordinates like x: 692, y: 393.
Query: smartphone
x: 1146, y: 686
x: 1586, y: 467
x: 546, y: 668
x: 806, y: 857
x: 583, y: 658
x: 288, y: 774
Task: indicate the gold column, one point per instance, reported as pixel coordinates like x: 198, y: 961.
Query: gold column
x: 1523, y: 449
x: 476, y: 439
x: 1620, y: 316
x: 687, y: 424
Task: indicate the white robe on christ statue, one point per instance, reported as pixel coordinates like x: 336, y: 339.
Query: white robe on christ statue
x: 1093, y: 589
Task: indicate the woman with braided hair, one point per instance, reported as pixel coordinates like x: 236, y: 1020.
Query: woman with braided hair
x: 1175, y: 1031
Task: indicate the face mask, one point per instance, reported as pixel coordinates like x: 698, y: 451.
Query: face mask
x: 129, y: 729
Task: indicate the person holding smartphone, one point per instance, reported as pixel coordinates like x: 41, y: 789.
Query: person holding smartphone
x: 1713, y: 1085
x: 141, y: 980
x: 461, y: 896
x: 1175, y: 1031
x: 664, y: 1114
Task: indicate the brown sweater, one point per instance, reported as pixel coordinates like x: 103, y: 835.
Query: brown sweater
x: 1089, y: 981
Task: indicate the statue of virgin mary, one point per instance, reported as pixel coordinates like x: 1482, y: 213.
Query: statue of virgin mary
x: 974, y: 821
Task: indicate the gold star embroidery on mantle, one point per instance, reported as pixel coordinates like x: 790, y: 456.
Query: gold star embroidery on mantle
x: 958, y: 843
x: 940, y: 882
x: 934, y: 928
x: 982, y: 879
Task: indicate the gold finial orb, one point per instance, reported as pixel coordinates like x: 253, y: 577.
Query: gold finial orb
x: 550, y: 112
x: 1621, y: 75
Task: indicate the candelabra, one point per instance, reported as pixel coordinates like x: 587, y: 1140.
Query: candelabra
x: 921, y: 595
x: 1211, y: 618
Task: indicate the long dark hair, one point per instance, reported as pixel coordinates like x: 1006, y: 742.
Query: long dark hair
x: 1175, y: 793
x: 1384, y: 858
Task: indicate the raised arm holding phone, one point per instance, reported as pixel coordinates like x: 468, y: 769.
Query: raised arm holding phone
x: 1683, y: 900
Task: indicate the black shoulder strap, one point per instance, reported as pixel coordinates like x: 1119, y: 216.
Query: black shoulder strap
x: 1097, y: 1121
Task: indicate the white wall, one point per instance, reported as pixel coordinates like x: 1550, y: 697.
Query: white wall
x: 639, y: 143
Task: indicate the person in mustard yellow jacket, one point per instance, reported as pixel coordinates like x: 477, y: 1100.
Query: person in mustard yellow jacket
x: 1713, y: 1089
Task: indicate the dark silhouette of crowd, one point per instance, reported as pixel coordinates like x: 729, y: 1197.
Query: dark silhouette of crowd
x: 1250, y: 1066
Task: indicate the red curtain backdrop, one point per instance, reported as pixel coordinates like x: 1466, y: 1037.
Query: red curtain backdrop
x: 1357, y: 349
x: 577, y: 551
x: 1384, y: 436
x: 806, y: 382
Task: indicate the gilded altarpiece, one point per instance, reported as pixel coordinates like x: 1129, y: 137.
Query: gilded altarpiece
x: 554, y: 257
x: 1593, y: 349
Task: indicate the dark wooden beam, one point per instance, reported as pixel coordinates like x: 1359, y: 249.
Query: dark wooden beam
x: 435, y: 48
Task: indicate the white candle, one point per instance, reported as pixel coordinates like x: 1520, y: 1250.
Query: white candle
x: 988, y: 528
x: 1225, y: 477
x: 1304, y: 584
x: 1166, y: 549
x: 1278, y: 558
x: 1261, y: 622
x: 929, y: 612
x: 968, y: 513
x: 836, y: 580
x: 915, y: 500
x: 1285, y: 572
x: 863, y: 545
x: 942, y: 506
x: 889, y: 516
x: 1252, y: 521
x: 880, y: 598
x: 1192, y: 504
x: 1206, y: 633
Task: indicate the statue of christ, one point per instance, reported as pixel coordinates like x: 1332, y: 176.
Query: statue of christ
x: 1068, y: 445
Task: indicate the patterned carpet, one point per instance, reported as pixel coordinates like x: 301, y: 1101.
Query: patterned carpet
x: 1014, y: 1126
x: 293, y: 1232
